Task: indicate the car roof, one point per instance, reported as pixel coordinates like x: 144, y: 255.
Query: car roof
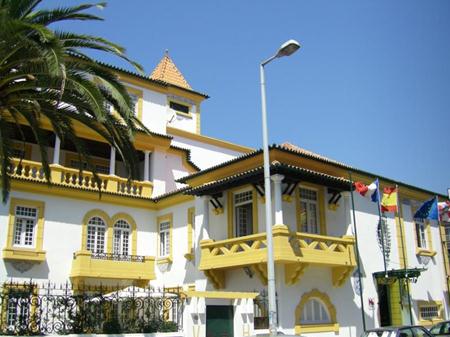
x: 392, y: 328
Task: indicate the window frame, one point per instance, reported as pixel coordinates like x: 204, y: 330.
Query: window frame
x: 324, y: 299
x: 166, y: 258
x: 320, y: 206
x: 180, y: 113
x: 105, y: 235
x: 231, y: 209
x: 22, y: 252
x: 424, y: 304
x: 96, y: 161
x: 121, y: 243
x: 428, y: 250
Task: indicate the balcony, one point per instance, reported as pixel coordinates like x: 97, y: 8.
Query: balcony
x: 103, y: 266
x: 72, y: 178
x: 296, y: 251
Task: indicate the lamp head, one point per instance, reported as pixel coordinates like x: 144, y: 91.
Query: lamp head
x: 288, y: 48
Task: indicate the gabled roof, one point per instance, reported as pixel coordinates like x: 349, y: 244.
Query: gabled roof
x: 168, y: 72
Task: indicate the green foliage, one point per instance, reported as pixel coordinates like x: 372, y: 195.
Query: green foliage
x: 159, y: 325
x: 111, y: 327
x: 168, y: 326
x: 46, y: 76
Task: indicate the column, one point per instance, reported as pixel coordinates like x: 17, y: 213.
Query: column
x: 205, y: 224
x: 112, y: 161
x: 348, y: 212
x: 146, y: 165
x: 56, y: 150
x: 277, y: 179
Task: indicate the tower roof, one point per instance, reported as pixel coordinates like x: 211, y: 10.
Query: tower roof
x: 167, y: 71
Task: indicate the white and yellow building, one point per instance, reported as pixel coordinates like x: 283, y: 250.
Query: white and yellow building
x: 196, y: 220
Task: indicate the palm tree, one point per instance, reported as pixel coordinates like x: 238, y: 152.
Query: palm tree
x: 46, y: 75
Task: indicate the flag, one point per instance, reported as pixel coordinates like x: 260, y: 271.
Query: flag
x: 444, y: 209
x: 389, y: 199
x: 428, y: 210
x: 369, y: 191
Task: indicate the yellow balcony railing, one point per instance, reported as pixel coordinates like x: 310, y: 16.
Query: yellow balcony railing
x: 87, y: 265
x: 295, y: 250
x: 70, y: 177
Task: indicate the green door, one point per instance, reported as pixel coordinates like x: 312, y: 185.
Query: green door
x: 219, y: 321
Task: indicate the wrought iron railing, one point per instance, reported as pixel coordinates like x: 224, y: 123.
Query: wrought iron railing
x: 32, y: 309
x: 117, y: 257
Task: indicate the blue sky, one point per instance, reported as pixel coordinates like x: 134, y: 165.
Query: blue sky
x: 370, y: 86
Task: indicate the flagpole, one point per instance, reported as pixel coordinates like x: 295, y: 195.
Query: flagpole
x: 400, y: 221
x: 358, y: 265
x: 382, y: 228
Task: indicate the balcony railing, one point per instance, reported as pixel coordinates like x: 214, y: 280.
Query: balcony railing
x: 87, y: 265
x: 295, y: 250
x: 70, y: 177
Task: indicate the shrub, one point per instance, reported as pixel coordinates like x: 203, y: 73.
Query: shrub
x: 111, y: 327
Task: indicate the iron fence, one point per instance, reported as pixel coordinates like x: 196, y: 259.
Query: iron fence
x: 33, y: 309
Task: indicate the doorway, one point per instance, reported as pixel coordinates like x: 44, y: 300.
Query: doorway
x: 219, y: 321
x: 383, y: 304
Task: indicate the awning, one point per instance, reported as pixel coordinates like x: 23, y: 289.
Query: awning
x: 412, y: 273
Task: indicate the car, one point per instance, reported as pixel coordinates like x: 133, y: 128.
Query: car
x: 441, y: 329
x: 402, y: 331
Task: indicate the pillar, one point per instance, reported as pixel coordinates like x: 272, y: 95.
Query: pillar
x: 112, y: 161
x: 277, y: 179
x: 56, y: 150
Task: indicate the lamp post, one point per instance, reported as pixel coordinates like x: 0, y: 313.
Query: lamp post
x: 286, y: 49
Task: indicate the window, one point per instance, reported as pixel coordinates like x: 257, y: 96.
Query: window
x: 165, y: 238
x: 24, y: 227
x: 421, y: 234
x: 121, y: 239
x: 25, y: 231
x: 429, y: 311
x: 314, y: 312
x: 243, y: 213
x: 178, y: 107
x: 309, y: 211
x: 96, y: 235
x: 21, y: 150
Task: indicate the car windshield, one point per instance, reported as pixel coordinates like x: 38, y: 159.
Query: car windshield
x: 380, y: 333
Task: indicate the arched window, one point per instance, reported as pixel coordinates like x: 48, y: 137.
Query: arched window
x: 314, y: 312
x: 96, y: 229
x: 121, y: 239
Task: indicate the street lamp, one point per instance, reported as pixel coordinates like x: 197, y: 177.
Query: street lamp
x: 286, y: 49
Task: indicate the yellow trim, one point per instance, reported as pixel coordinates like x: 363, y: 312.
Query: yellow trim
x: 85, y: 267
x: 198, y: 126
x: 208, y: 140
x: 160, y: 219
x: 221, y: 294
x: 109, y: 222
x: 187, y: 115
x: 230, y: 208
x: 427, y: 322
x: 401, y: 237
x: 33, y: 303
x: 419, y: 250
x: 132, y: 223
x: 92, y: 213
x: 190, y: 225
x: 395, y: 303
x: 324, y: 298
x: 320, y: 202
x: 35, y: 253
x: 26, y: 147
